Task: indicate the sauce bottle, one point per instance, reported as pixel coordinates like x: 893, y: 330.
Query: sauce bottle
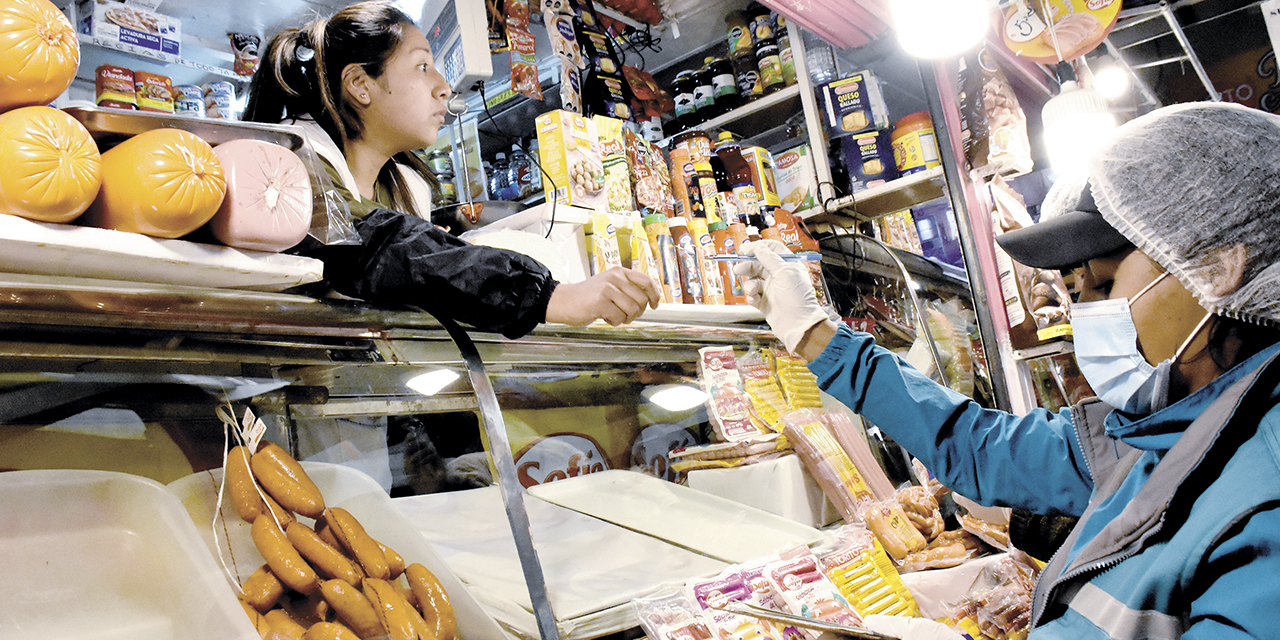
x: 726, y: 201
x: 747, y: 75
x: 739, y: 173
x: 785, y: 55
x: 769, y: 63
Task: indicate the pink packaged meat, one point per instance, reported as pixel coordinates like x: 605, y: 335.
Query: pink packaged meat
x: 268, y: 201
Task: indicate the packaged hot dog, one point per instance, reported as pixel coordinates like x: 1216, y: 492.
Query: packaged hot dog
x: 671, y: 616
x: 727, y: 587
x: 864, y: 574
x: 831, y: 468
x: 803, y: 590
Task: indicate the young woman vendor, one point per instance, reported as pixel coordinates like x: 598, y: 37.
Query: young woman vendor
x: 363, y: 84
x: 1174, y: 469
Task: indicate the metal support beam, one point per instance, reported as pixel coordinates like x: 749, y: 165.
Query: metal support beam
x: 1167, y: 12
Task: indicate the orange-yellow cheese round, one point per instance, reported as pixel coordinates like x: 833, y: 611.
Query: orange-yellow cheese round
x: 39, y: 53
x: 52, y: 166
x: 164, y: 183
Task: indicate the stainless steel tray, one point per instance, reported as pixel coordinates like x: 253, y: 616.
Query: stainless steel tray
x: 107, y: 125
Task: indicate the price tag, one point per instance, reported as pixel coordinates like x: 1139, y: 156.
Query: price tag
x: 1023, y: 25
x: 1271, y: 13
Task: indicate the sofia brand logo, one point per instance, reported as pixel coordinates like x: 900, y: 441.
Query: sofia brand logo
x: 1097, y: 5
x: 559, y: 456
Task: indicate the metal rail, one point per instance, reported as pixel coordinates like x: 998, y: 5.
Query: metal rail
x: 512, y: 492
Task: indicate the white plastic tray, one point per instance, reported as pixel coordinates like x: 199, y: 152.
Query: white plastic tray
x: 45, y: 248
x: 703, y: 313
x: 341, y: 487
x: 710, y: 525
x: 593, y: 569
x: 105, y: 555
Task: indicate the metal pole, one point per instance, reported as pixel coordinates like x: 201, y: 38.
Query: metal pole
x: 979, y: 264
x: 1167, y: 12
x: 512, y: 492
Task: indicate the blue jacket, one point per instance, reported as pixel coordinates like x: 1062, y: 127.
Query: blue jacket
x: 1184, y: 545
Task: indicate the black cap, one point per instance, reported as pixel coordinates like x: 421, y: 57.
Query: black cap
x: 1067, y: 240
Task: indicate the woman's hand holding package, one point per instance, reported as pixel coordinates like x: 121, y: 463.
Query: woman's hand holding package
x: 617, y: 296
x: 781, y: 290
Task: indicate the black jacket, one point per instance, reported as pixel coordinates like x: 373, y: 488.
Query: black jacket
x: 403, y: 260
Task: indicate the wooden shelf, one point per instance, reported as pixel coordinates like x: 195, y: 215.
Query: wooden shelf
x: 881, y: 200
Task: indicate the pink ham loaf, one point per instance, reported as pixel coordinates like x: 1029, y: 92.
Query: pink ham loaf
x: 268, y: 201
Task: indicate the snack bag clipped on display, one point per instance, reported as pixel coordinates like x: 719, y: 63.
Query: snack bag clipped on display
x: 671, y: 615
x: 524, y: 50
x: 864, y: 574
x: 617, y: 172
x: 805, y: 591
x: 827, y: 463
x: 727, y: 405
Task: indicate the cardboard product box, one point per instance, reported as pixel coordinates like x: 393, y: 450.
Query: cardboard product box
x: 131, y: 24
x: 853, y: 104
x: 573, y: 168
x: 797, y: 180
x: 868, y: 158
x: 153, y: 92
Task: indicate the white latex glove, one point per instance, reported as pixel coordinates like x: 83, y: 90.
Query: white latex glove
x: 779, y: 289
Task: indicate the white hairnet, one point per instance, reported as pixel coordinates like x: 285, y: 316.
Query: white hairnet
x: 1196, y: 187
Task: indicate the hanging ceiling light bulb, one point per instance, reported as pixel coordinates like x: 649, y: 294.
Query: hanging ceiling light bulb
x: 1076, y: 122
x: 939, y: 28
x: 1109, y: 78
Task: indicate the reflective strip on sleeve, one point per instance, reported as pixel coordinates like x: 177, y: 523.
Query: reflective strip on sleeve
x: 1119, y: 621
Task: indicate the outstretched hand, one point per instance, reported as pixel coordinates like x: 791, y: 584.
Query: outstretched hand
x: 617, y: 296
x: 781, y: 290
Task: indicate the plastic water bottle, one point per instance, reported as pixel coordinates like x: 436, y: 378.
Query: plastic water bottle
x: 499, y: 182
x: 519, y: 173
x: 821, y: 59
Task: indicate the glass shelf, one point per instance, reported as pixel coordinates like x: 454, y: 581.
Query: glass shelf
x: 881, y: 200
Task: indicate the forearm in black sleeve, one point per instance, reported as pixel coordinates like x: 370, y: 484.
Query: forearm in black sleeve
x: 406, y: 261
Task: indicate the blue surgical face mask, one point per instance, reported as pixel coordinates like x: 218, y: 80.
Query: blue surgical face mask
x: 1106, y: 349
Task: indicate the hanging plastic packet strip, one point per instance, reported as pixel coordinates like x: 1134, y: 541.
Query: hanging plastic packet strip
x: 727, y: 405
x: 564, y: 43
x: 524, y: 50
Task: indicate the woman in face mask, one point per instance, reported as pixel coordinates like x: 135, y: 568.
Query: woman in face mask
x: 1173, y: 471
